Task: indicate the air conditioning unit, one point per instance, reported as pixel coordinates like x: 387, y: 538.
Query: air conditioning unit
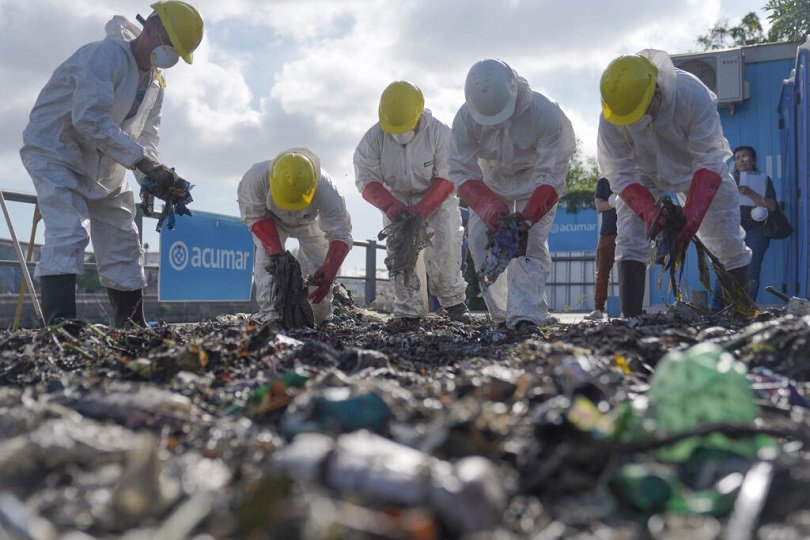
x: 721, y: 71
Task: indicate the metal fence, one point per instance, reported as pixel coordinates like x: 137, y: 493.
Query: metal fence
x: 570, y: 286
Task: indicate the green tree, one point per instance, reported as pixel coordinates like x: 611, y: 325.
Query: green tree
x: 580, y: 183
x: 88, y: 281
x: 723, y: 36
x: 790, y: 19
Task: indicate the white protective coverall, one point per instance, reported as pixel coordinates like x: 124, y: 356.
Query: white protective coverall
x: 324, y: 220
x: 513, y: 158
x: 86, y: 128
x: 407, y: 171
x: 663, y: 155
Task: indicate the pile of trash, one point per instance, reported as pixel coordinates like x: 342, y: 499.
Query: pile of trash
x: 664, y: 426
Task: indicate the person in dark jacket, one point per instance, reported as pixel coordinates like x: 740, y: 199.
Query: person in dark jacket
x: 605, y: 202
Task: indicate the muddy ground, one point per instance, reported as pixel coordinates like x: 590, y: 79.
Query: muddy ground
x: 366, y: 429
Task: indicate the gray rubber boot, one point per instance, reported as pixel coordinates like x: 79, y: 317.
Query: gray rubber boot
x: 127, y: 307
x: 58, y: 297
x: 631, y: 287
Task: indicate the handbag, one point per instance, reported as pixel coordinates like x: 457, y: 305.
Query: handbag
x: 777, y: 227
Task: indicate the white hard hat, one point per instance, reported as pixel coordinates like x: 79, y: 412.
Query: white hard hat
x: 491, y: 91
x: 759, y: 213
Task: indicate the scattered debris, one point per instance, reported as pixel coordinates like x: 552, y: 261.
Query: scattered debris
x: 667, y: 425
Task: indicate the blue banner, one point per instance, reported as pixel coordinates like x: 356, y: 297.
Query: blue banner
x: 574, y: 231
x: 207, y: 257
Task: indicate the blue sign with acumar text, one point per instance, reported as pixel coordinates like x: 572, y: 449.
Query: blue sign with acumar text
x: 574, y: 231
x: 207, y: 257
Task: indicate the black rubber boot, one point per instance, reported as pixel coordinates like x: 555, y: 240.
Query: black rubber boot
x: 631, y: 287
x: 741, y: 276
x: 459, y: 313
x: 127, y: 307
x: 58, y: 297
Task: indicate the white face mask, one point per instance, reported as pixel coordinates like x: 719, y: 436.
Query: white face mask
x: 641, y: 124
x: 404, y: 138
x: 164, y: 57
x: 502, y: 125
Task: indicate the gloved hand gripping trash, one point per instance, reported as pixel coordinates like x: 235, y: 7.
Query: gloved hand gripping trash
x: 678, y: 224
x: 670, y: 222
x: 503, y: 245
x: 405, y: 238
x: 289, y: 292
x: 162, y: 182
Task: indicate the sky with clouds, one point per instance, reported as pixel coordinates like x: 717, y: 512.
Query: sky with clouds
x: 272, y: 74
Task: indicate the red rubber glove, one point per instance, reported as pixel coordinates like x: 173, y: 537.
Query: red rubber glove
x: 541, y: 201
x: 379, y: 196
x: 266, y: 231
x: 702, y: 190
x: 641, y: 201
x: 325, y: 275
x: 489, y: 207
x: 433, y: 198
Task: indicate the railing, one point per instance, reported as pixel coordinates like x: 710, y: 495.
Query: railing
x: 371, y: 246
x: 17, y: 196
x: 585, y: 283
x: 27, y: 282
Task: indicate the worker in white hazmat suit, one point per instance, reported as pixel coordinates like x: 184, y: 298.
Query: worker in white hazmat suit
x: 510, y: 153
x: 401, y: 166
x: 660, y: 132
x: 96, y: 117
x: 292, y: 196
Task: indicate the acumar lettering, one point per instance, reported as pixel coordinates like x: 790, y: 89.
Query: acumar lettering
x: 226, y: 259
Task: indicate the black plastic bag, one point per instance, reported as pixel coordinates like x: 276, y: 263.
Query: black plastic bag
x: 777, y: 226
x: 290, y: 292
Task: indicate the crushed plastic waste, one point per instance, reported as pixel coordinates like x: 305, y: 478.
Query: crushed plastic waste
x: 702, y: 385
x: 176, y: 201
x: 508, y: 242
x: 468, y: 495
x: 335, y: 411
x: 663, y: 428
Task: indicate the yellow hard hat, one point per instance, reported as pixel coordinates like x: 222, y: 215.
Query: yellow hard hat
x: 401, y: 105
x: 184, y: 25
x: 293, y: 180
x: 627, y: 86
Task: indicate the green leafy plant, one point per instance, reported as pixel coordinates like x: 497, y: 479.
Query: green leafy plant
x: 790, y: 19
x: 88, y: 282
x: 580, y: 182
x: 722, y: 36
